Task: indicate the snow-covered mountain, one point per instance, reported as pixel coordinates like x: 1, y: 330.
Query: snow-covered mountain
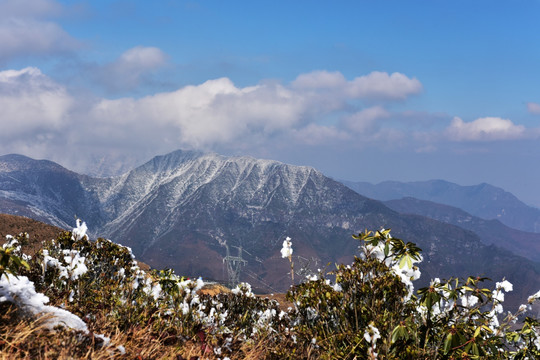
x: 183, y: 209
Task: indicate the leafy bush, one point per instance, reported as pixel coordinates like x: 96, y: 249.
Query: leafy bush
x: 366, y: 310
x: 371, y: 311
x: 11, y: 259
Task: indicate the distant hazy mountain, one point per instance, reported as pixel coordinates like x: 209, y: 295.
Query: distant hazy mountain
x: 181, y: 209
x: 484, y: 200
x: 494, y: 232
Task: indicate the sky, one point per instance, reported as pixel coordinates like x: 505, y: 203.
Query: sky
x: 361, y: 90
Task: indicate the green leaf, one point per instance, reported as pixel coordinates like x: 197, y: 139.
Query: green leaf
x: 402, y: 262
x: 477, y: 331
x: 400, y: 332
x: 448, y: 344
x: 475, y: 349
x: 405, y: 260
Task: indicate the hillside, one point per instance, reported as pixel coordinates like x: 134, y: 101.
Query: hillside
x: 182, y: 210
x: 38, y: 231
x: 86, y: 299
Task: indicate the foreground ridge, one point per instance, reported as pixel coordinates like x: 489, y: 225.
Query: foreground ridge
x: 103, y: 305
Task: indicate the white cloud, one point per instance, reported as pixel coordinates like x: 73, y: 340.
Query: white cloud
x: 533, y: 108
x: 487, y: 128
x: 320, y: 80
x: 39, y: 114
x: 365, y: 119
x: 314, y: 134
x: 375, y: 85
x: 25, y: 30
x: 141, y: 57
x: 218, y: 112
x: 382, y: 85
x: 29, y: 8
x: 131, y: 68
x: 41, y: 117
x: 214, y: 112
x: 30, y: 102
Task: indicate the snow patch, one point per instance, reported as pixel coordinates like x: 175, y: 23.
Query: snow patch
x: 21, y: 292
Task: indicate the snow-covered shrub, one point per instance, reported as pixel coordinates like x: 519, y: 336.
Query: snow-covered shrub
x: 372, y: 312
x: 335, y: 316
x: 365, y: 310
x: 100, y: 279
x: 21, y: 292
x: 91, y: 277
x: 11, y: 258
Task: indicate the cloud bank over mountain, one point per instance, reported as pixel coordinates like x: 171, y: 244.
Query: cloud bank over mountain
x: 314, y: 108
x: 196, y: 116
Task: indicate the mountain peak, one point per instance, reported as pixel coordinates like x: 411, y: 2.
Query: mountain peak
x: 13, y: 162
x: 190, y: 210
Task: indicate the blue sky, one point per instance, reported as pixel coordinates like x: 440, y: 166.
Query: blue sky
x: 361, y: 90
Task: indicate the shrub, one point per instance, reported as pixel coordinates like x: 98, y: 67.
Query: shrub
x: 364, y: 310
x: 11, y: 258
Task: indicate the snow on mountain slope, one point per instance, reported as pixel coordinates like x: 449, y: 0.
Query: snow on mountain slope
x: 50, y: 191
x: 179, y: 176
x: 181, y: 209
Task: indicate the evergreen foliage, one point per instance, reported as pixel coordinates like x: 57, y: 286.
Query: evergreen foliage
x: 365, y: 310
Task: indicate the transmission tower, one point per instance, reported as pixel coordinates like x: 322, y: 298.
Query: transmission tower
x: 234, y: 265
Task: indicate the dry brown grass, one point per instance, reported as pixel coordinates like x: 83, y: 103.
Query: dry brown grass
x: 25, y: 338
x: 22, y: 337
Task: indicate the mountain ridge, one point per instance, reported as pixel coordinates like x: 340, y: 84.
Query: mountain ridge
x: 181, y: 209
x: 483, y: 200
x: 490, y: 231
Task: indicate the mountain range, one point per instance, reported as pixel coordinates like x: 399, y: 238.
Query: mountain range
x: 482, y: 200
x: 494, y: 232
x: 188, y: 210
